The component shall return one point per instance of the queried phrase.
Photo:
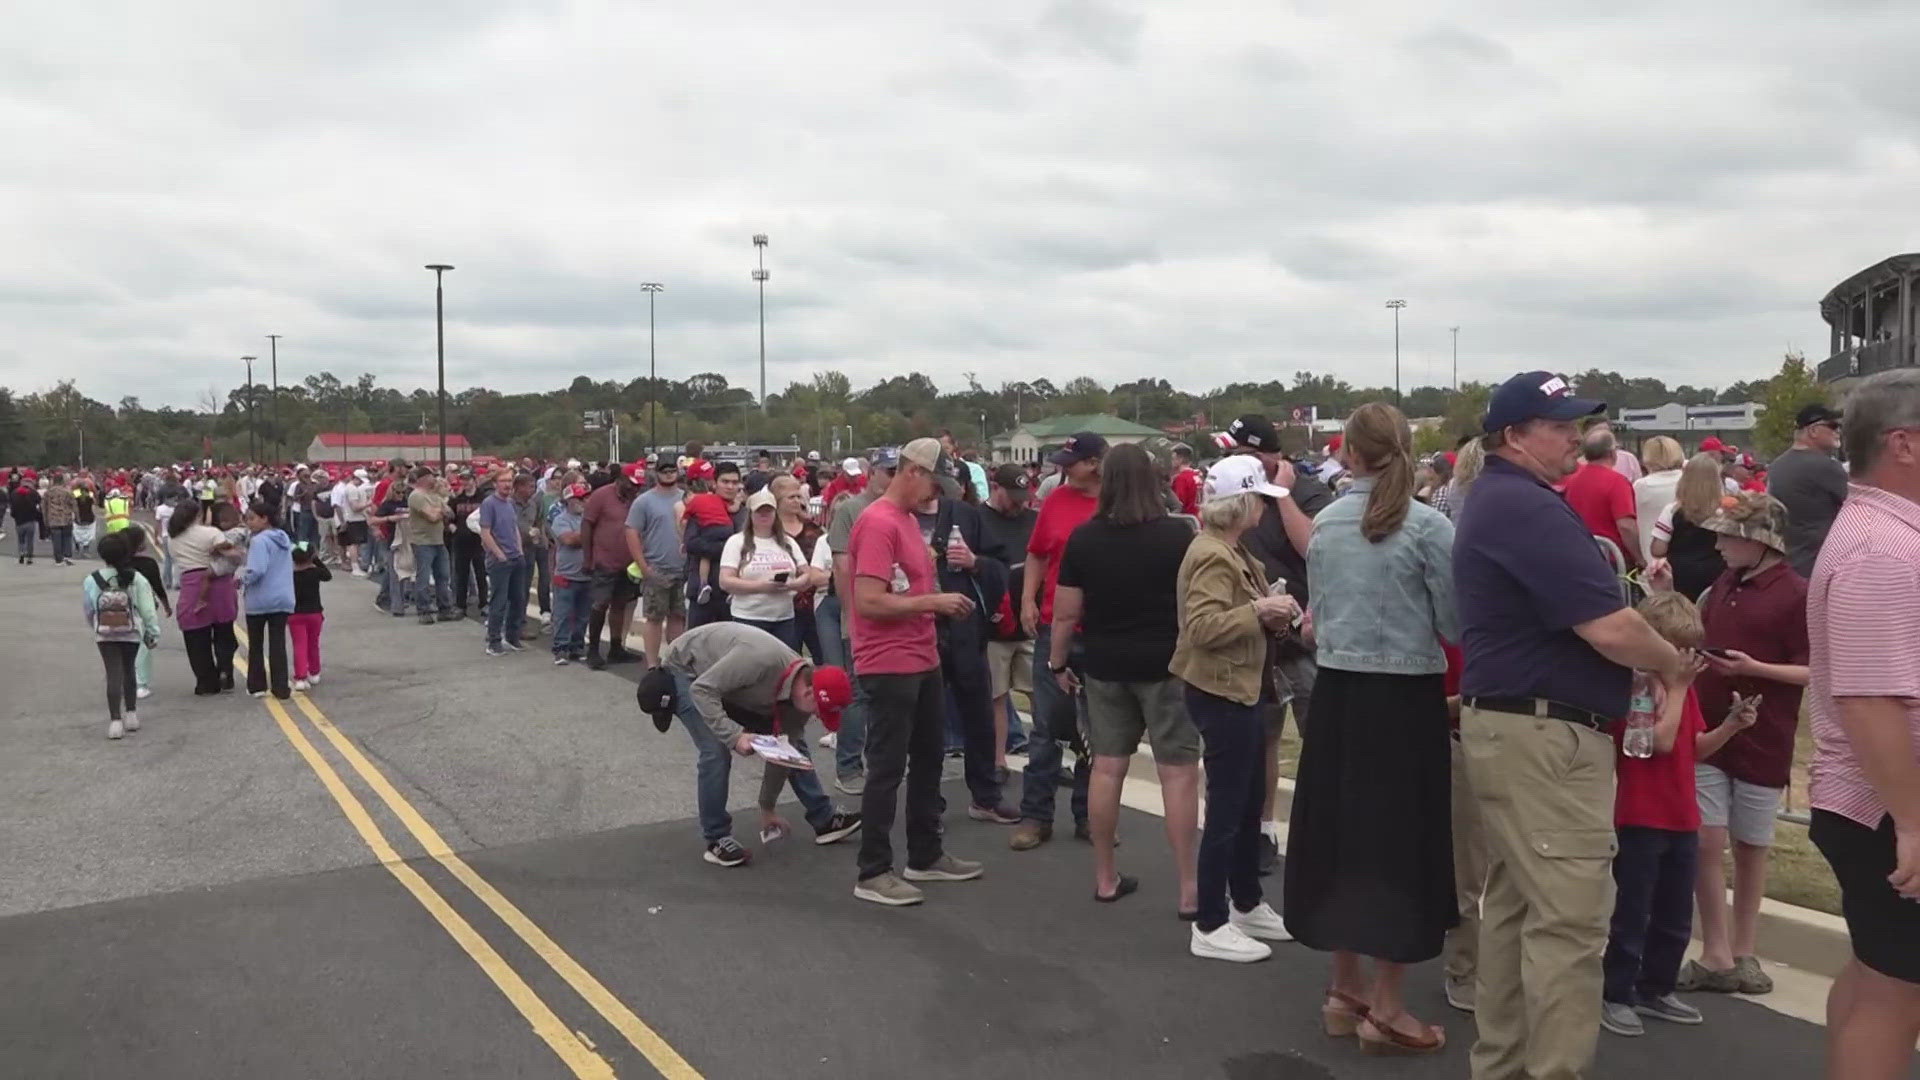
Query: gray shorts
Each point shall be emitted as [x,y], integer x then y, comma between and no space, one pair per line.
[1745,810]
[1118,713]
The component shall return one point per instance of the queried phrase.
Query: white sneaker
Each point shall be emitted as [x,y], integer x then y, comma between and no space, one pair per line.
[830,740]
[115,729]
[357,572]
[144,692]
[546,618]
[302,684]
[1228,943]
[313,680]
[133,722]
[1262,922]
[256,693]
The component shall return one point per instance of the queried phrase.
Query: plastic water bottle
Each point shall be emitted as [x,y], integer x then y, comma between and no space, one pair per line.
[1644,712]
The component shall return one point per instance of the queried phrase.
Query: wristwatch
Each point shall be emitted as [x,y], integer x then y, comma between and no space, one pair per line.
[1056,668]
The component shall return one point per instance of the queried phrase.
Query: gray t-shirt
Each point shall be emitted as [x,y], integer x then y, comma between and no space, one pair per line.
[652,516]
[844,516]
[1811,486]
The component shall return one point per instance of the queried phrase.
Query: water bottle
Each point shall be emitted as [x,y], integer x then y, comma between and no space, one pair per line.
[1643,713]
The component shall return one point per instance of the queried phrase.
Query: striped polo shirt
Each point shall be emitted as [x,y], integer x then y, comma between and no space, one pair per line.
[1863,629]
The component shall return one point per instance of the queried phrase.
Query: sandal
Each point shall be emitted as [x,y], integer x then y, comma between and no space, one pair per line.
[1342,1013]
[1388,1042]
[1126,886]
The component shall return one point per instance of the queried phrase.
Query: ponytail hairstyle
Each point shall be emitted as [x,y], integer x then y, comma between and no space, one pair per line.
[1378,445]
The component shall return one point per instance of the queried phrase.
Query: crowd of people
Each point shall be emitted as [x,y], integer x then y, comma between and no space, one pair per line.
[1542,683]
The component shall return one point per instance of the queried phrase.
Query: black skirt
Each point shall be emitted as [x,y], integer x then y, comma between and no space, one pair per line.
[1369,865]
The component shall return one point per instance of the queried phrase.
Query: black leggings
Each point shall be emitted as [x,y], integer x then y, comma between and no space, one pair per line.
[267,632]
[210,651]
[118,658]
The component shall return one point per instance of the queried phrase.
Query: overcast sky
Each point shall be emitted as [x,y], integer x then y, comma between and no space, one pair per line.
[1203,191]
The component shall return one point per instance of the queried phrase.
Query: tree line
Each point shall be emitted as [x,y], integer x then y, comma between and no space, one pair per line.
[64,425]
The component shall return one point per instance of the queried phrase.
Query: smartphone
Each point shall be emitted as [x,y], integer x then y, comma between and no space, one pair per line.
[1723,654]
[781,577]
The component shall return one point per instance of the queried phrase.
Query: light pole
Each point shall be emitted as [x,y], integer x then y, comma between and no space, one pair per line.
[653,377]
[1456,357]
[1396,305]
[253,449]
[760,276]
[279,450]
[440,353]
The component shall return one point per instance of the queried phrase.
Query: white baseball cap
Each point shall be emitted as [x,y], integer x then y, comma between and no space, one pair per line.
[1239,474]
[851,466]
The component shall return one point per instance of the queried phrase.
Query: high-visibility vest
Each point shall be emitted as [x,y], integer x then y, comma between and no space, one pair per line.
[117,510]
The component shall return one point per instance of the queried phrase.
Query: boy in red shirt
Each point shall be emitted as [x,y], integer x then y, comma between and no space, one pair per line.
[1657,822]
[1186,479]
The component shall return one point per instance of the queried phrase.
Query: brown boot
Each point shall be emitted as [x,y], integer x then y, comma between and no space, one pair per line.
[1030,835]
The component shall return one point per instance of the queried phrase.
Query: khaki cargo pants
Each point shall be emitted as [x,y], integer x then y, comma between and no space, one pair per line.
[1545,789]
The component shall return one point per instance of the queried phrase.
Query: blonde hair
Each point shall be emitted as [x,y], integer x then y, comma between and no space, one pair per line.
[1467,463]
[1229,514]
[1673,617]
[1699,490]
[1661,453]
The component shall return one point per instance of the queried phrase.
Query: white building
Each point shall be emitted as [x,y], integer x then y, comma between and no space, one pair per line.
[1674,417]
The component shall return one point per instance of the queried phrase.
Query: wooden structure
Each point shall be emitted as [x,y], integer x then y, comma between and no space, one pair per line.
[1871,316]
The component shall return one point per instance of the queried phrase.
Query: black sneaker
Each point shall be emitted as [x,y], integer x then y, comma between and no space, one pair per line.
[619,655]
[843,824]
[576,655]
[727,851]
[517,646]
[594,660]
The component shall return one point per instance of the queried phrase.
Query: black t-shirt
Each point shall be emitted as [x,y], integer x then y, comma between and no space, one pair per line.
[1696,561]
[1127,575]
[306,587]
[83,507]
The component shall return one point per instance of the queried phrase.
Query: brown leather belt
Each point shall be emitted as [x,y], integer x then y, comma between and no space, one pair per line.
[1541,707]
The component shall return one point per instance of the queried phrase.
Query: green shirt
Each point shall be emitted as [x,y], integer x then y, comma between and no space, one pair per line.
[423,531]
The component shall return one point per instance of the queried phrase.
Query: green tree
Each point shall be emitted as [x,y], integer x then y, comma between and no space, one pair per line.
[1792,387]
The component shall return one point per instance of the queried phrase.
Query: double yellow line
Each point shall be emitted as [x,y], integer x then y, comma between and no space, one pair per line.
[573,1048]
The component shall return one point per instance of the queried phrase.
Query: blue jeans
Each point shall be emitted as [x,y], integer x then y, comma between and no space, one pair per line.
[62,537]
[571,603]
[27,532]
[373,552]
[787,630]
[506,584]
[1042,774]
[1652,913]
[715,769]
[850,745]
[432,579]
[1236,765]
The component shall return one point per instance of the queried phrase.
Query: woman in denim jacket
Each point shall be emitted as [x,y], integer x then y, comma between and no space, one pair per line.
[1369,869]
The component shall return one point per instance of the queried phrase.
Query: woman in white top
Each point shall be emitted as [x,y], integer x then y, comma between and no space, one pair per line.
[761,568]
[208,603]
[1652,492]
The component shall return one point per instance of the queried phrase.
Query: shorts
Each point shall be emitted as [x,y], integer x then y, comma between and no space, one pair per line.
[1010,663]
[663,595]
[613,587]
[1745,810]
[1884,926]
[353,532]
[1118,713]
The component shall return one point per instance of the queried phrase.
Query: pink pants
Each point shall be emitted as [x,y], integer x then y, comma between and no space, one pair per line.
[304,628]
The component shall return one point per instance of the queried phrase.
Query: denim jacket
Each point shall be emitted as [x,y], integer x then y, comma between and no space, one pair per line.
[1381,607]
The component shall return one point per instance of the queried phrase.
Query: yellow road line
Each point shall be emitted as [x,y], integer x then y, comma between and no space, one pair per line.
[568,1046]
[636,1031]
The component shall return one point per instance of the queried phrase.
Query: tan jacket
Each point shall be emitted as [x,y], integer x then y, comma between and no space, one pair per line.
[1222,648]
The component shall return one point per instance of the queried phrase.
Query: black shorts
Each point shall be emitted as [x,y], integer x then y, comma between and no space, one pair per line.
[1885,926]
[353,532]
[613,587]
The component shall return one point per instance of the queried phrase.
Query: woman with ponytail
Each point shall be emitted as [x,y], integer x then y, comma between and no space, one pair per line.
[1369,871]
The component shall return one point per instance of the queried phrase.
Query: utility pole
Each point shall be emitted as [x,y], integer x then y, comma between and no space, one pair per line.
[440,353]
[760,276]
[279,442]
[1456,358]
[653,375]
[253,437]
[1396,305]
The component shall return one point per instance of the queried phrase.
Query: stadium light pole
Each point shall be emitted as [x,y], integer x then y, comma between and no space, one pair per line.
[440,352]
[1396,305]
[253,448]
[279,444]
[760,277]
[1456,357]
[653,374]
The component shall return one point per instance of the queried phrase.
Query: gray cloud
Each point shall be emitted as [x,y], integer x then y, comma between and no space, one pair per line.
[1204,192]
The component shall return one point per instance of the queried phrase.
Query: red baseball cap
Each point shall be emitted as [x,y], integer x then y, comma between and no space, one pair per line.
[579,491]
[1335,442]
[1712,445]
[636,473]
[700,470]
[832,693]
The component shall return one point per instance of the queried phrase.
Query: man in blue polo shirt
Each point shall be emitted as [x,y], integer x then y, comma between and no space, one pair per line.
[1550,646]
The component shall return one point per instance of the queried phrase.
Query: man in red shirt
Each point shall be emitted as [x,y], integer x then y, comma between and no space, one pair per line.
[851,481]
[896,656]
[603,541]
[1603,498]
[1186,479]
[1065,509]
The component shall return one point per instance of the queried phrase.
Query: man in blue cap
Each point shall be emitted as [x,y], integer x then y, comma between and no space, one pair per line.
[1550,646]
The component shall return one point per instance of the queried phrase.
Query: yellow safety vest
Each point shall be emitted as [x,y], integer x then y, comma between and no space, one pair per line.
[117,513]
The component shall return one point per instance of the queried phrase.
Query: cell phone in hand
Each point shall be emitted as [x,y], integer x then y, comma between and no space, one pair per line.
[781,577]
[1724,654]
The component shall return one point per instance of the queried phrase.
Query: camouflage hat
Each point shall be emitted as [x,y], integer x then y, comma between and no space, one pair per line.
[1751,515]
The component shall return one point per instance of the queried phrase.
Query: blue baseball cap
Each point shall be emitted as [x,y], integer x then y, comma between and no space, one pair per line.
[887,457]
[1536,395]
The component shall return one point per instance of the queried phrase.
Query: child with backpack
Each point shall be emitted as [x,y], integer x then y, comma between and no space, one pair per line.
[119,607]
[308,617]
